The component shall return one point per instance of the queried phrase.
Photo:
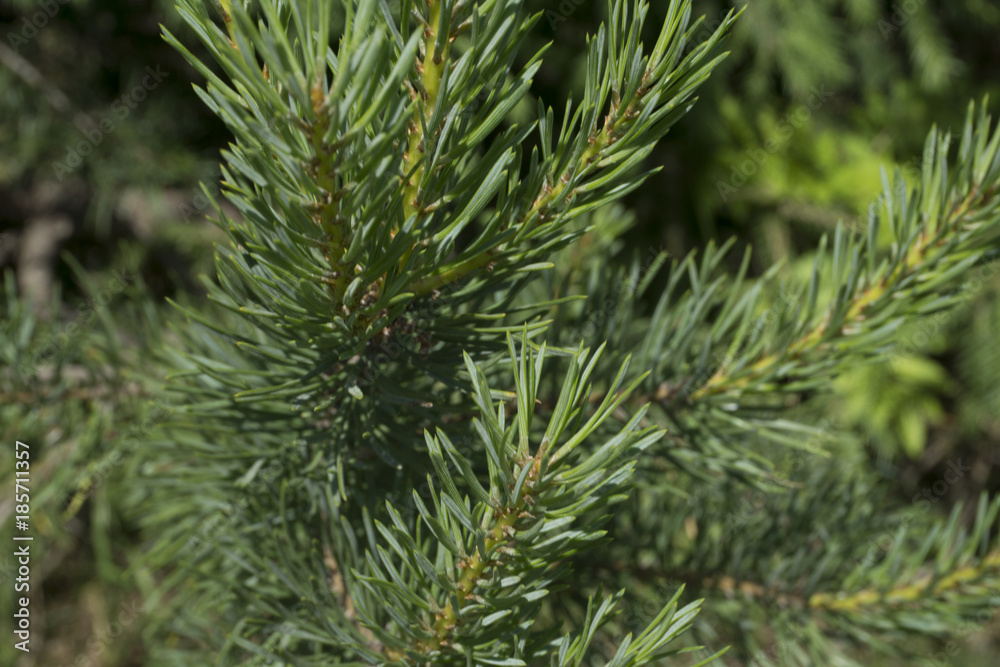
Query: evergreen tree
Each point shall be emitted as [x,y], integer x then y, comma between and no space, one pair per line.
[428,419]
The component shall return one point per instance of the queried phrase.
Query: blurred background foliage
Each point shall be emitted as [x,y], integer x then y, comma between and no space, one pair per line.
[790,136]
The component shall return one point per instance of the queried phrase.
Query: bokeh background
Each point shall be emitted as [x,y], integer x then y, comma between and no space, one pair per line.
[108,166]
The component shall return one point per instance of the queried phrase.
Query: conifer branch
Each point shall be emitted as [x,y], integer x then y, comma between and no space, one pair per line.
[940,231]
[827,554]
[496,557]
[387,250]
[430,71]
[727,362]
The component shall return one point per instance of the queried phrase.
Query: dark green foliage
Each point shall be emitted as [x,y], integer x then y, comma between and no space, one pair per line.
[441,397]
[356,271]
